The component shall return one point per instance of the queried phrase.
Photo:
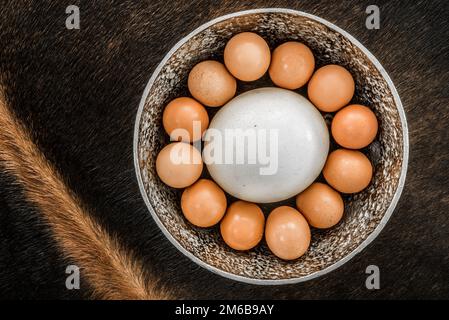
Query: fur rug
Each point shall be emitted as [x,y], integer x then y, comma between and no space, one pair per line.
[77,92]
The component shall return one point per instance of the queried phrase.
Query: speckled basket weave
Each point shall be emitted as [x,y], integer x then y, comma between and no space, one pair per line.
[365,213]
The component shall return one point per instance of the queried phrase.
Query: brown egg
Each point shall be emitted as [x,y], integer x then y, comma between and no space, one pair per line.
[211,84]
[287,233]
[292,65]
[242,226]
[354,126]
[331,88]
[247,56]
[203,203]
[348,171]
[179,164]
[321,205]
[185,119]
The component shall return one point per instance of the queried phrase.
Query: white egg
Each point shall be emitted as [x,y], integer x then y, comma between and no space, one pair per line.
[266,145]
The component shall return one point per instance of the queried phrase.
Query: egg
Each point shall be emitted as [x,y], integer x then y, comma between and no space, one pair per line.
[203,203]
[348,171]
[321,205]
[185,119]
[279,124]
[287,233]
[247,56]
[242,226]
[292,65]
[331,88]
[211,84]
[179,164]
[354,126]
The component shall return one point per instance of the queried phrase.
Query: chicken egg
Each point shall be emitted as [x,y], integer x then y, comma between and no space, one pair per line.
[185,119]
[211,84]
[292,65]
[179,165]
[321,205]
[354,126]
[242,226]
[287,233]
[247,56]
[331,88]
[348,171]
[203,203]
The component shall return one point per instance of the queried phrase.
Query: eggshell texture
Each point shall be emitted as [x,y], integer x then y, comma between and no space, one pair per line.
[287,233]
[354,126]
[348,171]
[247,56]
[242,226]
[292,65]
[179,165]
[203,203]
[211,84]
[331,88]
[296,136]
[321,205]
[180,116]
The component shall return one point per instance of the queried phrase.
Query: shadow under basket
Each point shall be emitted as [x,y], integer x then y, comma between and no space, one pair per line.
[366,213]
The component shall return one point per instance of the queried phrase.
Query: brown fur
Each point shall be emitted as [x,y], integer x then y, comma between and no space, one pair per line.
[112,272]
[77,92]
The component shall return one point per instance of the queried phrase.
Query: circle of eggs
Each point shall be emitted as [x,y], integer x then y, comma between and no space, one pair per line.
[291,141]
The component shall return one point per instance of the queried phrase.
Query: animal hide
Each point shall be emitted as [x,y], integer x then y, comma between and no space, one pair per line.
[77,92]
